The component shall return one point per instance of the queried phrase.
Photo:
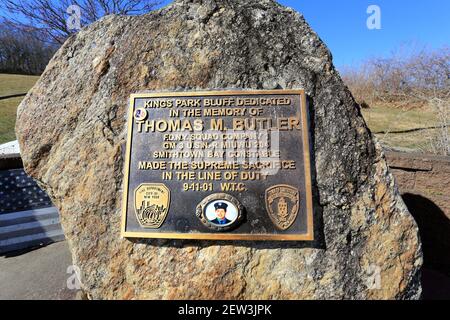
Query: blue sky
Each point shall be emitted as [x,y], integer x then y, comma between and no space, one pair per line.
[342,25]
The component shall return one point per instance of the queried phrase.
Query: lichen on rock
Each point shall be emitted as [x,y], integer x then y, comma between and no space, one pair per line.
[71,130]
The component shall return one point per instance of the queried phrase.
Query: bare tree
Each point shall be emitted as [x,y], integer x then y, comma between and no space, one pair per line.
[407,81]
[402,79]
[21,52]
[49,17]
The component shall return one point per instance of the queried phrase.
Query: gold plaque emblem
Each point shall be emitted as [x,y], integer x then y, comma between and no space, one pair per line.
[282,204]
[151,204]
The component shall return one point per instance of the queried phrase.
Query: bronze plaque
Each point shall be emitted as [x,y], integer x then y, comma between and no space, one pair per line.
[219,165]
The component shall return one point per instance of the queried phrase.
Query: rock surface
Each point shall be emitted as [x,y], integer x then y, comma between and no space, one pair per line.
[71,133]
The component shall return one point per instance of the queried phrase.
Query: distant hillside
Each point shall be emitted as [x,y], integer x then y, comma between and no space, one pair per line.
[12,84]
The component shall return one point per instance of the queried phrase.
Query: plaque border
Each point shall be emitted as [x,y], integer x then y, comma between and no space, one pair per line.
[308,236]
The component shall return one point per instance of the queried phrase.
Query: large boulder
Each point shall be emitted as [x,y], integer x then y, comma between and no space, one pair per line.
[71,129]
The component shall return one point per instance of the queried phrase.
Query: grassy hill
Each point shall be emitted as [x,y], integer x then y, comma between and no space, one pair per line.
[12,84]
[392,126]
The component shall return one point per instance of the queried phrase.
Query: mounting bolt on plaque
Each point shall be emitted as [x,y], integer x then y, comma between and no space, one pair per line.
[220,212]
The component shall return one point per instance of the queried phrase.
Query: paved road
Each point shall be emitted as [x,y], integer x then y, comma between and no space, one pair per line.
[37,274]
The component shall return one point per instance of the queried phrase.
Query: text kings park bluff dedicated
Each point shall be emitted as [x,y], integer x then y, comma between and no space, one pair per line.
[218,108]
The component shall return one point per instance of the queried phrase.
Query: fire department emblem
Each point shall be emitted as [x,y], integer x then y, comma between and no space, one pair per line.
[151,204]
[282,204]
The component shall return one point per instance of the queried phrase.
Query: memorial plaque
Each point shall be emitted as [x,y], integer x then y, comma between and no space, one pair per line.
[220,165]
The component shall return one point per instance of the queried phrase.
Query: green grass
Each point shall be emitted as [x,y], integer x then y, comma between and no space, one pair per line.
[8,109]
[12,84]
[390,119]
[382,118]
